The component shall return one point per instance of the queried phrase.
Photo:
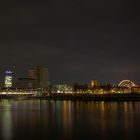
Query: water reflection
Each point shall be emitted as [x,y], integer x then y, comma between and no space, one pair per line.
[6,120]
[42,119]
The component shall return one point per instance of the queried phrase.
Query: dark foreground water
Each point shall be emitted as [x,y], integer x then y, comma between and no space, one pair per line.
[74,120]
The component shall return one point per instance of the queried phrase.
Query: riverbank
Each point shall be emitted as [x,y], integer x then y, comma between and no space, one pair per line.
[93,97]
[82,97]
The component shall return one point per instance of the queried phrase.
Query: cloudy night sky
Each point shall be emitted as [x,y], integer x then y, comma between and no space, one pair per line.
[77,40]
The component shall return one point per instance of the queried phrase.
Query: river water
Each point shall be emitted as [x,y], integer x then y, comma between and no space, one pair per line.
[68,120]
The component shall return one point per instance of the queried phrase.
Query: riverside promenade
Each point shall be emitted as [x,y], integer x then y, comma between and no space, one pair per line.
[71,96]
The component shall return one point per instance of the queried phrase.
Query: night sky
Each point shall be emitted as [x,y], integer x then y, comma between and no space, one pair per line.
[77,40]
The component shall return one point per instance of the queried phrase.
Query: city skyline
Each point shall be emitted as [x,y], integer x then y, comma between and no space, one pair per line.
[37,76]
[77,40]
[26,75]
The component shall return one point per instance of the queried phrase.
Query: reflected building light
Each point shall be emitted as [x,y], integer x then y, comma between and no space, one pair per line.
[7,123]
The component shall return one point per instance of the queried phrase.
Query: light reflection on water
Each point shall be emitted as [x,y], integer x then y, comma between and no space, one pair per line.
[6,121]
[43,119]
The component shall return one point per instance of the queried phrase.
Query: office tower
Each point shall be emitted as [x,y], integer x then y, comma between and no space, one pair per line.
[39,73]
[8,79]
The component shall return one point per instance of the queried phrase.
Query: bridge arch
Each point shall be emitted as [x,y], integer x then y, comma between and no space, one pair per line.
[127,83]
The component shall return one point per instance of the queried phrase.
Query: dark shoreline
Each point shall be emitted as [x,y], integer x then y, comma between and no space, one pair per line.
[78,97]
[91,97]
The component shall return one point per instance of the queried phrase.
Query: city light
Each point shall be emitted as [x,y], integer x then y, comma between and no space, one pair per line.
[8,81]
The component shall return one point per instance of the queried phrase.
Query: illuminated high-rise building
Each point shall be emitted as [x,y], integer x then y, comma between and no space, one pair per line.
[8,79]
[40,74]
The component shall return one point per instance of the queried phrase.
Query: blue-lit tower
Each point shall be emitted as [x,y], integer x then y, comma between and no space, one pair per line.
[8,78]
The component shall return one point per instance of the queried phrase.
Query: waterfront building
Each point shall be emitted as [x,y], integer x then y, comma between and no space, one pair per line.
[8,79]
[93,83]
[26,83]
[40,74]
[62,88]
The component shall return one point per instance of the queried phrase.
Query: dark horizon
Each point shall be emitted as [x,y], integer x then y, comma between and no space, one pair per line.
[76,40]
